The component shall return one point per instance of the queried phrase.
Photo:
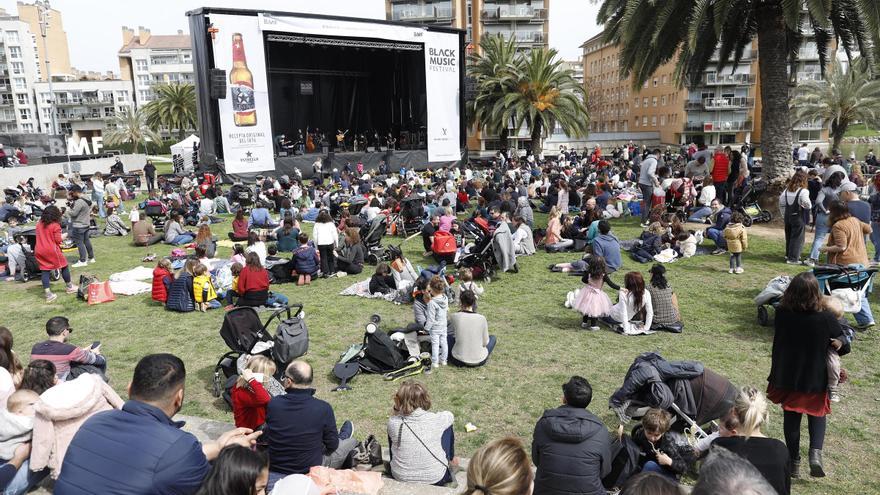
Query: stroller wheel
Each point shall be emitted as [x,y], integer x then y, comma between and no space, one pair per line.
[766,216]
[763,316]
[747,221]
[216,386]
[372,259]
[55,275]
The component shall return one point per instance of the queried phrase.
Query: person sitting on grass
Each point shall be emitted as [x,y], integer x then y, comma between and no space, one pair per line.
[169,459]
[181,297]
[663,301]
[253,285]
[239,227]
[382,281]
[306,262]
[523,239]
[239,471]
[634,312]
[163,276]
[659,452]
[143,233]
[260,217]
[500,467]
[607,246]
[350,257]
[115,226]
[422,442]
[258,246]
[249,395]
[203,289]
[70,361]
[469,341]
[287,236]
[175,233]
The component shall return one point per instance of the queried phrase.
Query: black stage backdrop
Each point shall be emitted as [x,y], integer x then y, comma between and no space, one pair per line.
[331,87]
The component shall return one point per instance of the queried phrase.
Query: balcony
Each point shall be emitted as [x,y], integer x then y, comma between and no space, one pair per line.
[808,54]
[747,55]
[726,126]
[415,14]
[737,102]
[809,126]
[713,79]
[444,13]
[693,105]
[529,37]
[809,76]
[511,13]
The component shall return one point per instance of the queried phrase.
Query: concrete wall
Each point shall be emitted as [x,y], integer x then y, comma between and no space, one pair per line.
[44,174]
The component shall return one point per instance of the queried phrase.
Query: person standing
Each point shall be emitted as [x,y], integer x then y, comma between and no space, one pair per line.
[720,171]
[98,193]
[847,247]
[647,182]
[80,215]
[794,206]
[48,250]
[150,173]
[803,155]
[326,237]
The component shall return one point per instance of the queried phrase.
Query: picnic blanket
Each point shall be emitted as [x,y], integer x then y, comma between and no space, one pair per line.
[228,243]
[362,289]
[138,273]
[130,287]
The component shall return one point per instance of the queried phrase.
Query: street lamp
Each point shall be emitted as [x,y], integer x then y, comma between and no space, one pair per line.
[45,13]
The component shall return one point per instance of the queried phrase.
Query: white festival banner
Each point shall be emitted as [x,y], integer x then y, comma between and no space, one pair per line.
[245,123]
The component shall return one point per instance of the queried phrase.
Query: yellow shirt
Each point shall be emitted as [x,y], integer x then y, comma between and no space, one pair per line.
[203,289]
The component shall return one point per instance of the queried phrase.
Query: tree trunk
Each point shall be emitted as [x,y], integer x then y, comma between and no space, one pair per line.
[838,130]
[775,94]
[502,137]
[537,132]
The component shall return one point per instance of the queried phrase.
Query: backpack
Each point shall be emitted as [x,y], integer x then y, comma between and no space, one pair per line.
[82,292]
[291,340]
[381,354]
[624,462]
[444,243]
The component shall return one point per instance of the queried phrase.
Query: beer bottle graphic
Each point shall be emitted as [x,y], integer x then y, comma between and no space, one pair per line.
[242,82]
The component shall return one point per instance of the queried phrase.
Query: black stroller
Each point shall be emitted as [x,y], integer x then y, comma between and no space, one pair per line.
[371,236]
[479,255]
[245,334]
[157,212]
[242,195]
[31,269]
[411,216]
[747,203]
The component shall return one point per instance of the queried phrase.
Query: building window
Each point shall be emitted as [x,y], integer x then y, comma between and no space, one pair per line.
[145,95]
[662,120]
[17,67]
[645,102]
[122,96]
[637,103]
[14,52]
[12,37]
[654,101]
[27,128]
[655,82]
[109,112]
[47,113]
[186,57]
[24,113]
[143,80]
[23,99]
[663,100]
[664,79]
[636,120]
[19,83]
[653,121]
[5,99]
[141,64]
[644,121]
[811,135]
[44,97]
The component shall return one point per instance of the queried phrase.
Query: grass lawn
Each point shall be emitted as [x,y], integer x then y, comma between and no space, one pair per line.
[861,130]
[540,344]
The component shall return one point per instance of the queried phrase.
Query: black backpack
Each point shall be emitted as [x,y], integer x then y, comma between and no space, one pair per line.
[291,340]
[381,355]
[624,462]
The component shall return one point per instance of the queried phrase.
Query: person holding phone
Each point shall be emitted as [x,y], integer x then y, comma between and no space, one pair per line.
[70,361]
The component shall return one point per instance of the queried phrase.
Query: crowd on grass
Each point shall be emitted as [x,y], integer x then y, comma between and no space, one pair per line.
[62,420]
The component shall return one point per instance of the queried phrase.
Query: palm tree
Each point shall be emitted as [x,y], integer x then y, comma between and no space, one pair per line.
[173,108]
[491,68]
[846,96]
[650,33]
[544,94]
[131,127]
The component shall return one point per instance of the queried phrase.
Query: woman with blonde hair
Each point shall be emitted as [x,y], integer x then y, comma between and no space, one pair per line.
[422,442]
[249,395]
[740,431]
[501,467]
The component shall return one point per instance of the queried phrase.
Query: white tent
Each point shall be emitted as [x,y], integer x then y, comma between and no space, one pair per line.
[185,150]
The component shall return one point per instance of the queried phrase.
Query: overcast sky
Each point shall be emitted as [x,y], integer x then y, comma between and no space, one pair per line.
[94,26]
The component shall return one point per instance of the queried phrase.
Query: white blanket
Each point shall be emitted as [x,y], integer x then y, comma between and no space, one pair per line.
[139,273]
[130,287]
[362,289]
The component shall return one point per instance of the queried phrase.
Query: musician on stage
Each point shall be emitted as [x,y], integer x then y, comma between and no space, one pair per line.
[340,139]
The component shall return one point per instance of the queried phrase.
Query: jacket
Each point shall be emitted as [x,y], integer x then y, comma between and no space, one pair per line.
[299,430]
[180,294]
[48,250]
[417,444]
[115,226]
[353,255]
[524,210]
[287,243]
[502,247]
[137,450]
[650,368]
[14,431]
[80,213]
[850,234]
[571,449]
[305,260]
[435,317]
[800,344]
[608,247]
[162,279]
[61,411]
[249,406]
[681,455]
[240,229]
[737,238]
[203,289]
[142,232]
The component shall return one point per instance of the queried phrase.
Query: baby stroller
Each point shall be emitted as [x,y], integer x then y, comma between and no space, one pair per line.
[371,237]
[848,284]
[157,212]
[680,197]
[411,216]
[478,255]
[747,203]
[246,335]
[695,395]
[31,269]
[242,195]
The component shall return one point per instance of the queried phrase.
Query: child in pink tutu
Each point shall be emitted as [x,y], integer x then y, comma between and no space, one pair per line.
[592,302]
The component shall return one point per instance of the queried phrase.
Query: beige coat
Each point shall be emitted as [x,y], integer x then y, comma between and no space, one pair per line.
[737,238]
[60,412]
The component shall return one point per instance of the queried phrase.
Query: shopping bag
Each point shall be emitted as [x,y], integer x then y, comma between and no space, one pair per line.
[100,292]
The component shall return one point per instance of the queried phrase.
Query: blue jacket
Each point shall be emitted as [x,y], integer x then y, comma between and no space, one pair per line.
[260,217]
[722,219]
[305,260]
[180,294]
[135,450]
[608,247]
[299,430]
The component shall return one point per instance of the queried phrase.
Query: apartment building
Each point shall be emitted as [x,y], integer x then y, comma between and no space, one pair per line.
[147,60]
[577,69]
[527,21]
[19,68]
[55,49]
[83,108]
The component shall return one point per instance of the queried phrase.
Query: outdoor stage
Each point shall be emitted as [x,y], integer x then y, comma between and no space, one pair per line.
[411,159]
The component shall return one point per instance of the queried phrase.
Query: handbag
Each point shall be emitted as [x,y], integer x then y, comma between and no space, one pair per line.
[100,292]
[850,298]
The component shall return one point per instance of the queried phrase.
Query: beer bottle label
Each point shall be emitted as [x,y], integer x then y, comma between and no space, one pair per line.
[243,99]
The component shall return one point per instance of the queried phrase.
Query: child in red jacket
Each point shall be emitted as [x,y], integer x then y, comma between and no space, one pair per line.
[162,278]
[249,395]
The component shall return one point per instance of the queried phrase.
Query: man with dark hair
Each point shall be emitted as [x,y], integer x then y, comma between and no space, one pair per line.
[428,231]
[70,361]
[607,246]
[726,473]
[301,429]
[139,449]
[571,447]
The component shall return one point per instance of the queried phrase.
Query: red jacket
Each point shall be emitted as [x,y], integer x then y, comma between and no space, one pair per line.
[240,228]
[160,290]
[249,408]
[251,280]
[48,251]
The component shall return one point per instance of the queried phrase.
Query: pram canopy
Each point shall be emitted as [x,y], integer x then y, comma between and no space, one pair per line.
[242,328]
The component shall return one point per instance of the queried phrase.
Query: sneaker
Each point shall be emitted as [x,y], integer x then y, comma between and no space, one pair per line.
[594,328]
[731,271]
[739,270]
[51,297]
[719,251]
[791,262]
[341,274]
[346,431]
[427,371]
[92,261]
[72,289]
[79,264]
[834,395]
[810,262]
[444,363]
[585,326]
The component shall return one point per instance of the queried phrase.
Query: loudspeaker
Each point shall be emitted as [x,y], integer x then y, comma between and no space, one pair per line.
[218,84]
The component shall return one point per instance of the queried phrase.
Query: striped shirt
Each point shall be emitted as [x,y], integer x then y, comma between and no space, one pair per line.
[61,354]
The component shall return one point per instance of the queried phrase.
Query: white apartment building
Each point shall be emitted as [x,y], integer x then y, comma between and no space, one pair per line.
[147,60]
[84,108]
[19,68]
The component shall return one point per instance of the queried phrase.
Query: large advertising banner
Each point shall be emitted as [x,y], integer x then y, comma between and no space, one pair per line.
[245,124]
[441,69]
